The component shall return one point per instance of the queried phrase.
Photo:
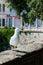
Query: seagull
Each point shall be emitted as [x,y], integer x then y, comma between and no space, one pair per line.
[15,38]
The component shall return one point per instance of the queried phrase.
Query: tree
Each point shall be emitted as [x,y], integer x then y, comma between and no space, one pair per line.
[37,7]
[34,9]
[20,6]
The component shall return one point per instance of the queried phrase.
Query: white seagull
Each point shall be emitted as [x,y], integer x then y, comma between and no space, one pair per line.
[15,38]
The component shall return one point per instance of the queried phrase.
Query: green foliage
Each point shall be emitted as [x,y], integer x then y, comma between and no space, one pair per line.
[37,5]
[19,6]
[5,34]
[32,16]
[25,18]
[34,9]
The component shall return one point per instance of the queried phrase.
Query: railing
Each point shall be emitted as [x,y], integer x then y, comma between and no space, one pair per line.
[33,29]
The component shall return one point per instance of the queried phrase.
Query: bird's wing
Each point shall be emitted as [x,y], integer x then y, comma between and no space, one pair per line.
[13,39]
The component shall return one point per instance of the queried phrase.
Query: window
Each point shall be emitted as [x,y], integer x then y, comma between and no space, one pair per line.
[3,22]
[3,7]
[0,22]
[0,7]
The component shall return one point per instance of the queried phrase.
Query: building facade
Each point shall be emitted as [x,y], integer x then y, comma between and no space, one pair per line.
[8,16]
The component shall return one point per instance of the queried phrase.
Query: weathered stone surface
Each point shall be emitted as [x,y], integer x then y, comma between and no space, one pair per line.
[22,50]
[9,55]
[33,58]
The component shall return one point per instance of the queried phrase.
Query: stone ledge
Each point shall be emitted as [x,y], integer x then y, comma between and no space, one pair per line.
[9,55]
[21,58]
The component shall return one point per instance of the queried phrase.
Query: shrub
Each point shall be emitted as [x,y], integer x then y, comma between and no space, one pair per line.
[5,35]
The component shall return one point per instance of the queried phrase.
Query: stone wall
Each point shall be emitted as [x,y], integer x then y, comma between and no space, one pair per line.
[34,58]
